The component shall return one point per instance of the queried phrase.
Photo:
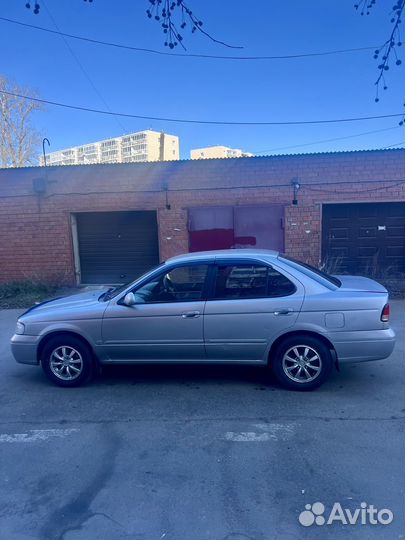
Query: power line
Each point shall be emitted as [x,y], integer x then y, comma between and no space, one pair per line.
[154,51]
[380,188]
[81,66]
[325,140]
[209,122]
[396,144]
[310,187]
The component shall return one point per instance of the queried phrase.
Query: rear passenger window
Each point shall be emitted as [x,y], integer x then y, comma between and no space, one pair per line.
[278,284]
[250,281]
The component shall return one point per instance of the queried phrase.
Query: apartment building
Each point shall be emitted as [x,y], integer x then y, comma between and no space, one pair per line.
[211,152]
[145,145]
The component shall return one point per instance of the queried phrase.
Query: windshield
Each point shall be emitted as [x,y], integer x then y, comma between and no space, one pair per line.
[115,291]
[310,269]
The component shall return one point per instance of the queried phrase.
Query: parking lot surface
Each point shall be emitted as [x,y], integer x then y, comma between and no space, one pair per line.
[183,452]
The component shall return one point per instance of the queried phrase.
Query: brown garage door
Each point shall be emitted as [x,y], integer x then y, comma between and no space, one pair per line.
[364,238]
[116,247]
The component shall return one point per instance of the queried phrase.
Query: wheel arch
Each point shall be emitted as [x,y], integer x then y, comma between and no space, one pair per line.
[276,343]
[56,333]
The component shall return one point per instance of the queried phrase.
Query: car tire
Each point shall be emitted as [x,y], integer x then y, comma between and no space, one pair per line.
[67,361]
[301,363]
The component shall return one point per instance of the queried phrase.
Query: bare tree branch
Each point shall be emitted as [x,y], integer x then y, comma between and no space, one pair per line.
[388,51]
[165,11]
[19,141]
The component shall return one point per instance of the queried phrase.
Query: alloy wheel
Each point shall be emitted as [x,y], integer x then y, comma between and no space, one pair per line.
[66,363]
[302,364]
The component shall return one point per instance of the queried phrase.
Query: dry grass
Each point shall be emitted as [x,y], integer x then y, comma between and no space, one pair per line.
[23,294]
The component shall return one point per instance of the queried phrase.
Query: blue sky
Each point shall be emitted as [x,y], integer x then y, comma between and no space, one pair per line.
[299,89]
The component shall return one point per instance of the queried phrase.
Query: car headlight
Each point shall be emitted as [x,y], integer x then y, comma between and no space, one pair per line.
[20,328]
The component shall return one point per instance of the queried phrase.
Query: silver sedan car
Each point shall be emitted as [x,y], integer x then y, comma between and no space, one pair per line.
[231,307]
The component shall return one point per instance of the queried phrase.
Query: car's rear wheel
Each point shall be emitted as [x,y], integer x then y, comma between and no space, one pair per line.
[301,362]
[67,361]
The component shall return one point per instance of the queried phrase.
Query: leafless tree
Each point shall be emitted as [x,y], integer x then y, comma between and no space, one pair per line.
[19,141]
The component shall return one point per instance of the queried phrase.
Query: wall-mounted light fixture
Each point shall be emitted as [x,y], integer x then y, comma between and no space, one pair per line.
[296,186]
[44,140]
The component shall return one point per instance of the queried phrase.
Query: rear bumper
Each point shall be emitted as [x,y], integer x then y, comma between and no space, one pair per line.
[24,349]
[363,346]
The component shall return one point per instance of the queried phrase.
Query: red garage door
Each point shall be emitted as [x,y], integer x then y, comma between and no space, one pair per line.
[224,227]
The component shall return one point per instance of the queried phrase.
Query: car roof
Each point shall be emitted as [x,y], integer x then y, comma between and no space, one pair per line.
[226,254]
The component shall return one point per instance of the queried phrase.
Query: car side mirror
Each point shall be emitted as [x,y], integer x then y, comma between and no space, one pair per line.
[129,299]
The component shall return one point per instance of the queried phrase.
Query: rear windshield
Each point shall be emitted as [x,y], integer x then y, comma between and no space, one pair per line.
[308,269]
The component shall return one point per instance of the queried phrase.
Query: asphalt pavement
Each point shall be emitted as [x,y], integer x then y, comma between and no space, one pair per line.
[199,452]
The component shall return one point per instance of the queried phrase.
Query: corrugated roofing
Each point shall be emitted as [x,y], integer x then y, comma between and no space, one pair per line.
[240,158]
[190,174]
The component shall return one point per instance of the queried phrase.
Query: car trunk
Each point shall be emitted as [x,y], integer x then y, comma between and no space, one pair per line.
[360,283]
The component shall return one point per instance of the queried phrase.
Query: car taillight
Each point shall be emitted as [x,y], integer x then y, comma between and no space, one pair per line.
[385,314]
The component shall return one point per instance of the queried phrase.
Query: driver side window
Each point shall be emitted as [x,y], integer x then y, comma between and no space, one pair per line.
[181,284]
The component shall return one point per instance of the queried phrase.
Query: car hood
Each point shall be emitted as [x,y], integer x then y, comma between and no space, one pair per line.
[360,283]
[67,303]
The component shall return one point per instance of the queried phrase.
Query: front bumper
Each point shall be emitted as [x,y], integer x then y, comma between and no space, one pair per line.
[24,349]
[363,346]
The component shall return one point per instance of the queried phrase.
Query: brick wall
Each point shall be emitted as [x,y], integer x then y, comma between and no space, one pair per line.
[35,228]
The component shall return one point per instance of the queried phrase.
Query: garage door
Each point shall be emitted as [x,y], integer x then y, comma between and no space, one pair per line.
[364,238]
[116,247]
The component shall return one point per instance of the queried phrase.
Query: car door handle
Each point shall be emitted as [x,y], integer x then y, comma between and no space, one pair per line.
[190,314]
[283,311]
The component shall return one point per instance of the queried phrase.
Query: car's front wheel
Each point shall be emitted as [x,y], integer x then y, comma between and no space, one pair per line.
[67,361]
[301,362]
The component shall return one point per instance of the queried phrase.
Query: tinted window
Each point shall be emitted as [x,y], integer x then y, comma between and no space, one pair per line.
[182,284]
[117,290]
[278,284]
[250,281]
[307,268]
